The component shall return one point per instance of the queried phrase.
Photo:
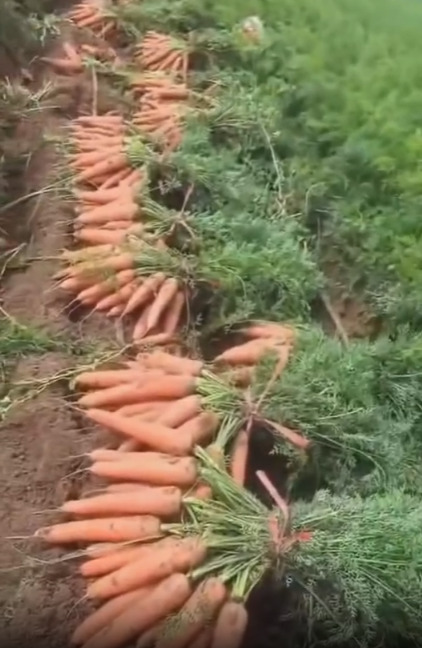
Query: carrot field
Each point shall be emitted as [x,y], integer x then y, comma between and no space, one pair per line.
[210,323]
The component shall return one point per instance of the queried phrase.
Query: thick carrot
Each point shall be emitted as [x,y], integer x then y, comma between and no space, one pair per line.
[171,364]
[96,235]
[173,314]
[183,555]
[161,388]
[239,458]
[180,411]
[200,609]
[249,353]
[107,378]
[163,600]
[114,560]
[231,625]
[201,428]
[105,615]
[116,529]
[150,468]
[161,501]
[155,436]
[164,296]
[144,292]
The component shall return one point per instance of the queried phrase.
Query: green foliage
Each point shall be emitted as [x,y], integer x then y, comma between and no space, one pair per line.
[25,26]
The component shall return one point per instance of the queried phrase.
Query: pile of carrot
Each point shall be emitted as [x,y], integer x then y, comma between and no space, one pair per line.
[163,53]
[91,14]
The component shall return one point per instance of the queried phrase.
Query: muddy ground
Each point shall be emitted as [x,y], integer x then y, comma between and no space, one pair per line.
[38,596]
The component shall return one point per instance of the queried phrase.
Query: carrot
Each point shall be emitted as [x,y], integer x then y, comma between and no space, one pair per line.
[231,625]
[173,313]
[239,458]
[117,298]
[161,501]
[149,467]
[183,554]
[199,610]
[164,599]
[101,378]
[155,436]
[83,160]
[154,340]
[141,324]
[171,364]
[249,353]
[115,529]
[96,235]
[141,408]
[120,209]
[114,560]
[116,178]
[291,436]
[99,196]
[144,292]
[105,615]
[201,428]
[182,410]
[109,166]
[281,332]
[160,388]
[164,296]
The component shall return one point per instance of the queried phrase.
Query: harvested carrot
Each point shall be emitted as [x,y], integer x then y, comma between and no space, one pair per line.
[171,364]
[154,340]
[173,314]
[281,332]
[161,501]
[117,298]
[155,436]
[291,436]
[203,640]
[108,166]
[249,353]
[105,615]
[116,529]
[239,458]
[118,210]
[231,625]
[144,292]
[150,468]
[164,296]
[101,379]
[201,428]
[141,408]
[165,598]
[113,560]
[200,609]
[161,388]
[184,554]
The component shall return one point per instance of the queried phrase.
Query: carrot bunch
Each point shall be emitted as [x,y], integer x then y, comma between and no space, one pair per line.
[163,53]
[91,14]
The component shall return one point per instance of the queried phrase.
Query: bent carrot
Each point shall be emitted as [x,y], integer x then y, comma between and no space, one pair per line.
[199,610]
[155,436]
[160,501]
[116,529]
[105,615]
[164,599]
[231,625]
[183,555]
[149,467]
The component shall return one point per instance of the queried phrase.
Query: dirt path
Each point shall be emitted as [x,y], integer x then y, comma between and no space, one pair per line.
[38,437]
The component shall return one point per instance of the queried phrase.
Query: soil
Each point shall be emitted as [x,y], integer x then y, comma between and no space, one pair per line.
[39,593]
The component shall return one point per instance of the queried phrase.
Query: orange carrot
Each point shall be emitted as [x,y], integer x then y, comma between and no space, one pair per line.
[173,314]
[183,555]
[239,458]
[171,364]
[155,436]
[123,487]
[114,560]
[100,379]
[249,353]
[108,166]
[164,296]
[201,428]
[200,610]
[97,620]
[291,436]
[117,298]
[124,209]
[149,467]
[162,501]
[282,332]
[182,410]
[117,529]
[164,599]
[154,340]
[96,235]
[144,292]
[231,625]
[142,408]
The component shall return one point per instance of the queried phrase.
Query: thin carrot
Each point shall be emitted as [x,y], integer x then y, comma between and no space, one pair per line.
[231,625]
[239,457]
[116,529]
[144,292]
[120,209]
[164,296]
[141,324]
[161,501]
[171,364]
[114,560]
[293,437]
[249,353]
[117,298]
[173,314]
[183,555]
[97,620]
[155,436]
[108,166]
[164,599]
[100,379]
[200,609]
[149,467]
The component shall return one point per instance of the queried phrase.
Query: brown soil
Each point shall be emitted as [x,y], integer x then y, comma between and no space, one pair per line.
[40,437]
